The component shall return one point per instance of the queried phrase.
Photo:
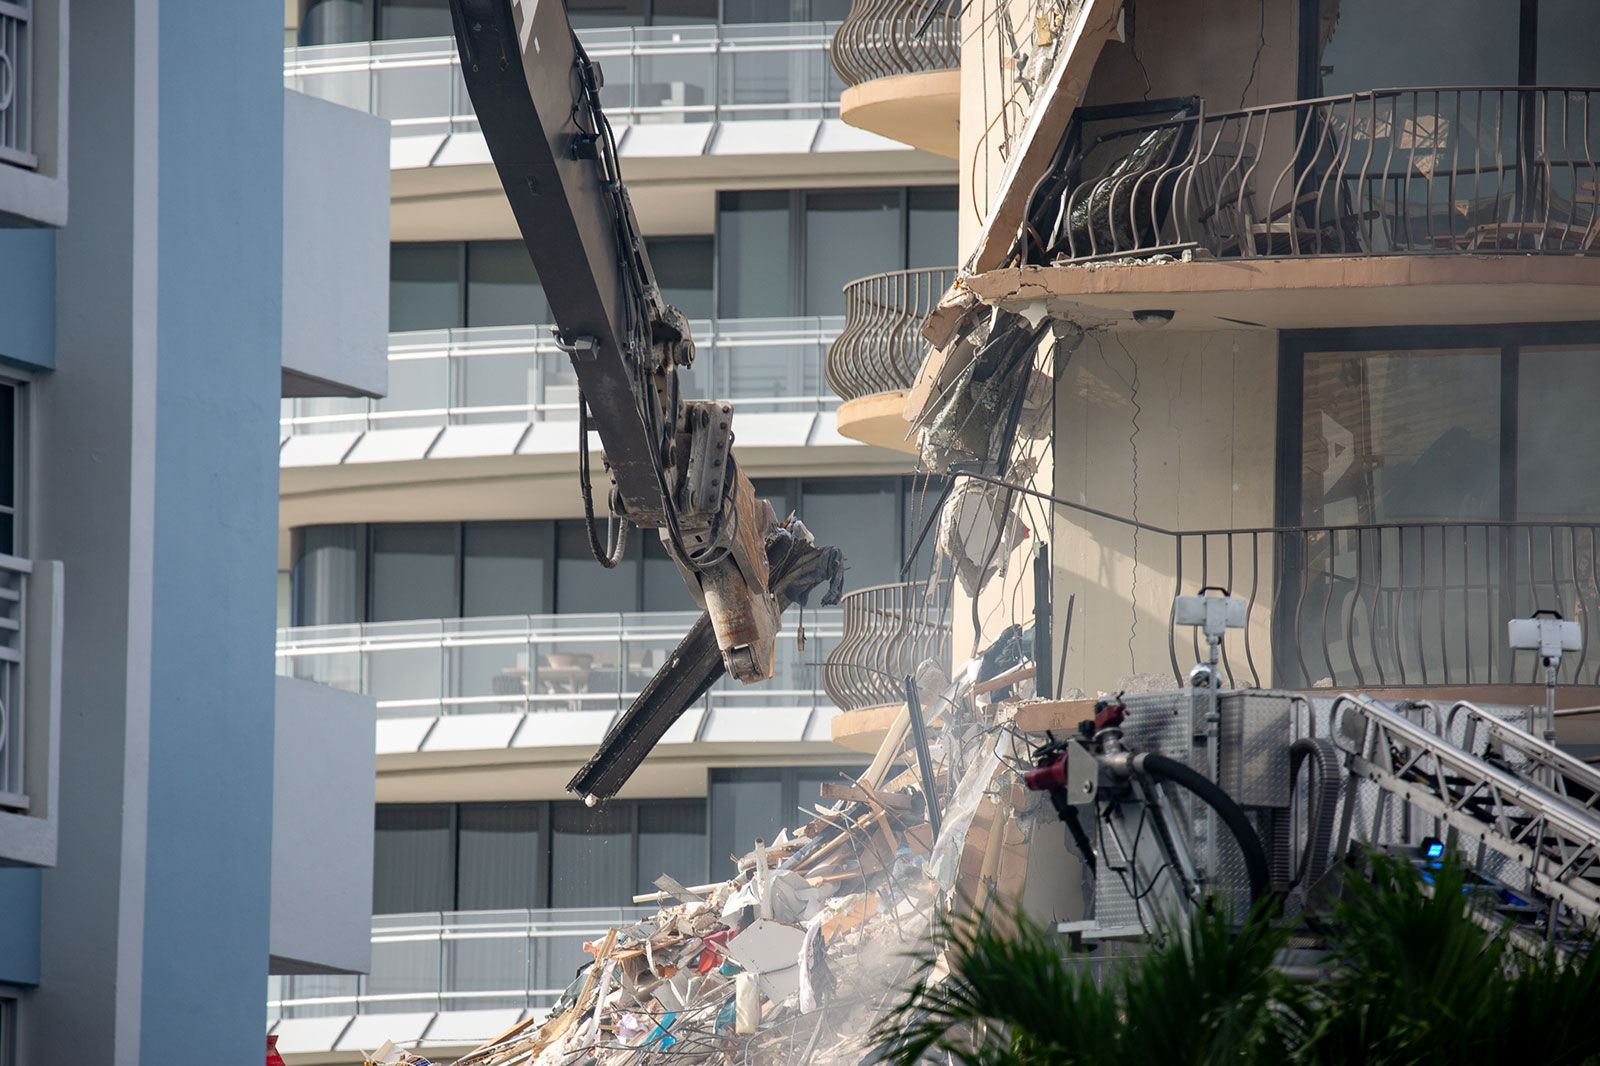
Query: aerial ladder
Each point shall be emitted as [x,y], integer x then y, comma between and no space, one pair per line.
[670,460]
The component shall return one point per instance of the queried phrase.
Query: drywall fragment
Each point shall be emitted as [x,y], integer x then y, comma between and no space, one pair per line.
[770,949]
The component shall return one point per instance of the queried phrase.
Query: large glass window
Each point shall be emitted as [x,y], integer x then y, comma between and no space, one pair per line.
[591,853]
[583,586]
[931,239]
[753,253]
[849,235]
[500,856]
[413,858]
[509,856]
[672,841]
[1558,436]
[684,271]
[327,580]
[398,19]
[424,286]
[1472,42]
[750,802]
[503,568]
[1407,436]
[853,514]
[413,571]
[502,287]
[1443,490]
[388,572]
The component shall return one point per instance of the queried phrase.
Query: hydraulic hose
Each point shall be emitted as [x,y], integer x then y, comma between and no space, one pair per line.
[1232,815]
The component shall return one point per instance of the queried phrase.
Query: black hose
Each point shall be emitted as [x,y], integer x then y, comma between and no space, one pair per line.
[1233,816]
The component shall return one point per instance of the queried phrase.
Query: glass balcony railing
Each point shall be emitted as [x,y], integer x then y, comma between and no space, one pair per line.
[517,374]
[653,74]
[534,663]
[460,960]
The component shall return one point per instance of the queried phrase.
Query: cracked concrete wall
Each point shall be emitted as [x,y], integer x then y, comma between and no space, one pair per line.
[1178,430]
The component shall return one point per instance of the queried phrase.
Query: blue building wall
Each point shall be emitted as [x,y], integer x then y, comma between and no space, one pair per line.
[19,925]
[218,359]
[28,280]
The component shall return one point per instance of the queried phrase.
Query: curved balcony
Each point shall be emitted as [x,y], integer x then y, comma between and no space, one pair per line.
[1437,171]
[653,75]
[533,664]
[875,359]
[888,631]
[901,60]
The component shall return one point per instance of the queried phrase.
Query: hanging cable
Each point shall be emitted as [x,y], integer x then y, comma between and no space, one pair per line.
[608,559]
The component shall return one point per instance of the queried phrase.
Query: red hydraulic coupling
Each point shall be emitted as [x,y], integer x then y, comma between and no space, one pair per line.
[1049,777]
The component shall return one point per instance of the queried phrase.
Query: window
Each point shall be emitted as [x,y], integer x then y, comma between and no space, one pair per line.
[792,253]
[424,286]
[849,235]
[502,288]
[413,858]
[1477,42]
[510,856]
[413,572]
[750,802]
[684,271]
[1446,480]
[390,572]
[10,441]
[500,855]
[503,568]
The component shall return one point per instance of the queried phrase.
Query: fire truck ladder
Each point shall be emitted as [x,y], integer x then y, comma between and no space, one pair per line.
[1506,791]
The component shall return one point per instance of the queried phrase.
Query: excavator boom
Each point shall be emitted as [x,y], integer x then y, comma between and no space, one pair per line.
[670,460]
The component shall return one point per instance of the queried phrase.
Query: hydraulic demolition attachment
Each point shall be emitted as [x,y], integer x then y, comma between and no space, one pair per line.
[670,460]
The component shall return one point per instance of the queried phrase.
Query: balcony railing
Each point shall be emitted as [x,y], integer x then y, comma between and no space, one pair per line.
[881,345]
[16,85]
[1391,172]
[888,631]
[517,374]
[14,575]
[1363,606]
[455,961]
[533,663]
[882,38]
[653,74]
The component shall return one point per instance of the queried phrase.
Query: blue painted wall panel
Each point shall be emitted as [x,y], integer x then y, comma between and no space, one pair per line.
[218,358]
[28,310]
[19,925]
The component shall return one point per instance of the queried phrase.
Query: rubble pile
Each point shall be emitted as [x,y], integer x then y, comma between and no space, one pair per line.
[795,958]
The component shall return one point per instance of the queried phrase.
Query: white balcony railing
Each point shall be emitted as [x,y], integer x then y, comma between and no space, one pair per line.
[517,374]
[464,960]
[533,663]
[16,84]
[14,575]
[653,74]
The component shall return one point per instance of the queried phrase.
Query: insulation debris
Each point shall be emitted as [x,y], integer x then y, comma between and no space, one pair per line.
[791,962]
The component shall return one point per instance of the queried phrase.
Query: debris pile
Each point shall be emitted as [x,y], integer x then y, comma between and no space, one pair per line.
[795,958]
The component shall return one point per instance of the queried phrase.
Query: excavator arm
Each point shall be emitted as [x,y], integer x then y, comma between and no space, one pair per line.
[670,460]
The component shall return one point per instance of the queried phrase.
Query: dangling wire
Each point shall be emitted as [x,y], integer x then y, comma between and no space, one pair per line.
[607,559]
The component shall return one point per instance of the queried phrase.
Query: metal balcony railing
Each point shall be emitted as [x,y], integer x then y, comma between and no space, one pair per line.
[517,374]
[14,574]
[881,345]
[1365,605]
[16,84]
[882,38]
[653,74]
[888,631]
[1396,171]
[463,960]
[533,663]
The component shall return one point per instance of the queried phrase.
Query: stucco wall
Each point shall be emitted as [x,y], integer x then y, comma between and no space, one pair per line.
[335,249]
[1176,430]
